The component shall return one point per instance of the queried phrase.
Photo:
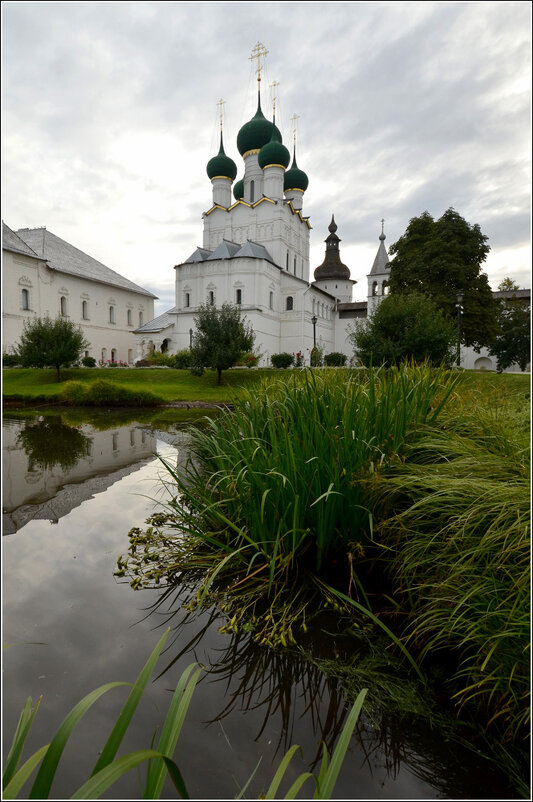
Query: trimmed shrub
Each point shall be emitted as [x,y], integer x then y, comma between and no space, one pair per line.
[283,360]
[88,362]
[335,360]
[182,359]
[105,393]
[10,360]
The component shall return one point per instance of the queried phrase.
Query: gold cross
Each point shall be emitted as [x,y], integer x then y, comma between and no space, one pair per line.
[294,118]
[258,52]
[273,87]
[382,224]
[221,103]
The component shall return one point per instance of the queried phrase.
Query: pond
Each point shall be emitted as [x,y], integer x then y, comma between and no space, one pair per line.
[73,488]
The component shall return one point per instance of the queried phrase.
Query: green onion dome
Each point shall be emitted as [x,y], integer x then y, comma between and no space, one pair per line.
[274,152]
[238,189]
[221,166]
[295,178]
[255,133]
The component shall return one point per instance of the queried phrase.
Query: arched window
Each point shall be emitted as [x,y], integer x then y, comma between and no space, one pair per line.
[111,314]
[130,317]
[63,305]
[289,306]
[84,310]
[271,300]
[211,298]
[25,299]
[252,191]
[113,355]
[375,288]
[238,297]
[140,318]
[104,354]
[294,266]
[385,288]
[130,356]
[187,299]
[287,261]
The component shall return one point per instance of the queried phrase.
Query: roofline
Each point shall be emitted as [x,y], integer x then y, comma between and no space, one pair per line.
[140,291]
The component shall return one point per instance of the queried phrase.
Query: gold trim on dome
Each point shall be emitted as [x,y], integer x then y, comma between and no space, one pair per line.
[251,152]
[294,189]
[273,165]
[225,177]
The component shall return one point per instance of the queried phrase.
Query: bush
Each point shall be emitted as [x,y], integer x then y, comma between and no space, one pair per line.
[405,328]
[248,360]
[102,393]
[182,359]
[283,360]
[315,359]
[88,362]
[335,360]
[10,360]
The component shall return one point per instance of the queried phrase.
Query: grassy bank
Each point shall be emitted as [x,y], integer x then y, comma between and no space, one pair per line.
[163,385]
[401,499]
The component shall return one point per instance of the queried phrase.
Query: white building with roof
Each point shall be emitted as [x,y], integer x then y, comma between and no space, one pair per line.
[42,275]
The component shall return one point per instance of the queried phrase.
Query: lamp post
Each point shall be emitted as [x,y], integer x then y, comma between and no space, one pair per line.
[190,339]
[314,322]
[459,308]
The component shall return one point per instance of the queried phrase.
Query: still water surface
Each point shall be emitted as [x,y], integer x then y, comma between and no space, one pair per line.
[71,493]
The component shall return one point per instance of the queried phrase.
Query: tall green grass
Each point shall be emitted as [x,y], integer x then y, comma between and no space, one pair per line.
[284,476]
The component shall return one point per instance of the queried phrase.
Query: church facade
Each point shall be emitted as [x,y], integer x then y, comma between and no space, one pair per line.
[255,254]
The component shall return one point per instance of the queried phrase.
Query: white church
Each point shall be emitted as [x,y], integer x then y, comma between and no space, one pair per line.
[255,253]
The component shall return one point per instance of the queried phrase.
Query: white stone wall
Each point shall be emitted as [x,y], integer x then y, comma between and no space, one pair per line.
[101,303]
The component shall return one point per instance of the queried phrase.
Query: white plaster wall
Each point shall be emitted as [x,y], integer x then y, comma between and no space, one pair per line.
[46,287]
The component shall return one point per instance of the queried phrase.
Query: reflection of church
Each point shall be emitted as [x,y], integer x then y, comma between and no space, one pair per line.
[255,253]
[37,487]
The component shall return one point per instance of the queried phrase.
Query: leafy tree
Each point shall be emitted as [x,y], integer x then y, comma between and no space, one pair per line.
[221,336]
[513,341]
[508,285]
[47,343]
[405,327]
[440,258]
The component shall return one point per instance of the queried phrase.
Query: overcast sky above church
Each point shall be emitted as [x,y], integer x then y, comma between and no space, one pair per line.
[110,116]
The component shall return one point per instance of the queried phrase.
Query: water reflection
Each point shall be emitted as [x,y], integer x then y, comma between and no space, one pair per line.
[398,729]
[50,468]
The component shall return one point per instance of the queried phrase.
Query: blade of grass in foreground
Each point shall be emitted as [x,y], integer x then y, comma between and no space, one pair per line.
[12,789]
[21,733]
[121,725]
[45,776]
[171,731]
[98,783]
[327,782]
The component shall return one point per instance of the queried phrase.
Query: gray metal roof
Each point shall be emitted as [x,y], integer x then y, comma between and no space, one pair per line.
[381,262]
[12,242]
[158,323]
[230,250]
[65,258]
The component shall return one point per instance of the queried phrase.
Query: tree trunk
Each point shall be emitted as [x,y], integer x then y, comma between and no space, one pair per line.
[58,376]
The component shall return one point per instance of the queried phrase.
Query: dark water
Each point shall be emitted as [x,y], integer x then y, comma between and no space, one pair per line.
[71,492]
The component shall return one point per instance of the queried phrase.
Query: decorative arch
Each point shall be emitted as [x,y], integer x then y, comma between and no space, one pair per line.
[289,303]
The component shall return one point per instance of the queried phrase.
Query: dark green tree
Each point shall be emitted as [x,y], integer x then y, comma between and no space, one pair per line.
[440,258]
[512,344]
[221,336]
[47,343]
[405,327]
[50,442]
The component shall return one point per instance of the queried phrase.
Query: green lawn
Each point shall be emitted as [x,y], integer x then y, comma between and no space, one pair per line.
[508,390]
[34,384]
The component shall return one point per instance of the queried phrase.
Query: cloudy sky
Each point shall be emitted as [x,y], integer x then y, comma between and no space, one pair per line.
[110,116]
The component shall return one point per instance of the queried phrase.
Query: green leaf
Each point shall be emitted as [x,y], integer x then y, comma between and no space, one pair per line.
[280,772]
[99,782]
[326,786]
[43,781]
[121,725]
[12,789]
[21,733]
